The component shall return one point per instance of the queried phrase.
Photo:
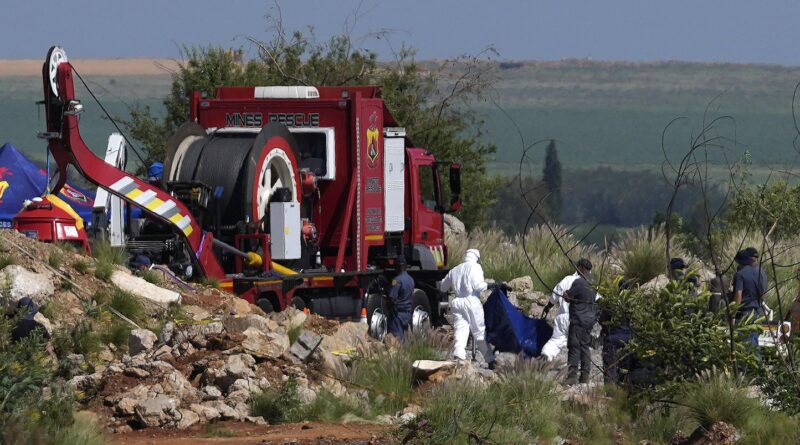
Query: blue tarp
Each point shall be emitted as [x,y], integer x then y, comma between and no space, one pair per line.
[21,179]
[509,330]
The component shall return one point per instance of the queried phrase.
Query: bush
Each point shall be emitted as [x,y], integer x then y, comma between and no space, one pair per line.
[104,252]
[127,305]
[84,431]
[82,339]
[641,253]
[152,276]
[388,377]
[294,333]
[81,266]
[6,260]
[426,344]
[719,397]
[279,406]
[522,407]
[103,271]
[327,407]
[56,258]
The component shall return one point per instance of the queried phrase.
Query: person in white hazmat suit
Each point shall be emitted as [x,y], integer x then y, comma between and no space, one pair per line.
[467,282]
[559,339]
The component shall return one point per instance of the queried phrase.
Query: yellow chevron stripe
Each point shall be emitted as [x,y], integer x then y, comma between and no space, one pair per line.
[188,230]
[134,193]
[175,218]
[153,204]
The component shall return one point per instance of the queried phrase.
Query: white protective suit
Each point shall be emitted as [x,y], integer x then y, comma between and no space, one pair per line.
[467,282]
[559,339]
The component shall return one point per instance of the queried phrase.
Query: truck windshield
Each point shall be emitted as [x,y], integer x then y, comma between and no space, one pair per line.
[429,187]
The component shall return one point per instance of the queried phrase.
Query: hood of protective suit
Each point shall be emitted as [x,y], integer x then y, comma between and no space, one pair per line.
[472,256]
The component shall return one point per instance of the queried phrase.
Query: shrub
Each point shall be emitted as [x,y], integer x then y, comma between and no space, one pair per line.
[84,431]
[388,377]
[294,333]
[56,258]
[522,407]
[279,406]
[425,344]
[152,276]
[82,339]
[104,252]
[641,254]
[103,271]
[117,332]
[6,260]
[127,304]
[719,397]
[81,266]
[328,407]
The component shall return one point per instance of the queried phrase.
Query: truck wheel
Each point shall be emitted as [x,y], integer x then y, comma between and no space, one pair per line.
[265,305]
[376,316]
[298,303]
[421,314]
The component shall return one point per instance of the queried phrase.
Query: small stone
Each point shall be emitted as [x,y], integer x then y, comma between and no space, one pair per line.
[127,406]
[238,324]
[211,393]
[139,373]
[141,340]
[521,284]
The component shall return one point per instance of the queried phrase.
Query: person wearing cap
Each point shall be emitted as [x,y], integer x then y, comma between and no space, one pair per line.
[582,300]
[677,271]
[399,314]
[467,282]
[558,340]
[749,287]
[154,173]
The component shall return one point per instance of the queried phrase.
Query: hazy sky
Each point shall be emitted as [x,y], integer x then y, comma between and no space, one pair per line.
[698,30]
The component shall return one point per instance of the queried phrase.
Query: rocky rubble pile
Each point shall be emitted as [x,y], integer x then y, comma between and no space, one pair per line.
[208,368]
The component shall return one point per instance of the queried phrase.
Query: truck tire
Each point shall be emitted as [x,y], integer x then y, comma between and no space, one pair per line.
[265,305]
[298,303]
[421,315]
[376,304]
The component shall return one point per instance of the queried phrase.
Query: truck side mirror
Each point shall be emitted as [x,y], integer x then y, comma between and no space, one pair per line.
[455,187]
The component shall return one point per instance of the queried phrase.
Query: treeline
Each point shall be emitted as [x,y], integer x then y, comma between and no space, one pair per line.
[603,195]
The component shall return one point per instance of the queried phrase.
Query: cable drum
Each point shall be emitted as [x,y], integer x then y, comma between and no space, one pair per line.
[248,166]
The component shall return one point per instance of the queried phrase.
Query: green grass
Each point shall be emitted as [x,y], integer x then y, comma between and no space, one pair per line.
[104,252]
[212,430]
[81,266]
[641,254]
[153,277]
[56,258]
[294,333]
[127,304]
[6,260]
[210,282]
[84,431]
[104,270]
[278,406]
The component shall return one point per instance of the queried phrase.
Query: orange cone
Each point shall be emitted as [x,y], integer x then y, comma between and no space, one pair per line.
[306,311]
[363,315]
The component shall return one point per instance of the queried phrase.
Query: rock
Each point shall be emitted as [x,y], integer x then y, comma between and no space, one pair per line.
[234,324]
[407,417]
[162,352]
[205,412]
[656,284]
[348,336]
[238,396]
[425,368]
[157,298]
[240,306]
[16,283]
[106,355]
[256,420]
[141,340]
[235,367]
[211,392]
[123,429]
[305,345]
[196,333]
[156,411]
[225,411]
[175,383]
[719,433]
[288,318]
[453,225]
[45,322]
[85,382]
[521,284]
[186,418]
[269,345]
[127,406]
[196,313]
[139,373]
[167,332]
[512,298]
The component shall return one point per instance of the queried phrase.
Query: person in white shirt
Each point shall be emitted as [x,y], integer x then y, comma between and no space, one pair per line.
[467,282]
[559,339]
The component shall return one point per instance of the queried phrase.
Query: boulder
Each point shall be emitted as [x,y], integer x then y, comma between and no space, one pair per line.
[127,406]
[196,313]
[453,225]
[205,412]
[211,392]
[156,411]
[187,418]
[269,345]
[521,284]
[289,318]
[305,345]
[196,334]
[155,298]
[425,368]
[138,373]
[347,337]
[16,283]
[656,284]
[141,340]
[235,367]
[240,306]
[45,322]
[238,324]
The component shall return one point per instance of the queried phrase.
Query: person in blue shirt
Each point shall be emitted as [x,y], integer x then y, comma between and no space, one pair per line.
[399,314]
[749,287]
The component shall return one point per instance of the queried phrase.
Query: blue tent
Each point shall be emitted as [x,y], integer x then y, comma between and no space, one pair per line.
[509,330]
[21,179]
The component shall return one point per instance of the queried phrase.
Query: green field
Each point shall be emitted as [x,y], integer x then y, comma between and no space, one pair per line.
[601,113]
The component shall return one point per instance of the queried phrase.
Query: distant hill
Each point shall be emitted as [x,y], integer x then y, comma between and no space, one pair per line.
[601,113]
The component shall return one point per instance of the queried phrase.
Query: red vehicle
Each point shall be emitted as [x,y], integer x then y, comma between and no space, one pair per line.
[297,196]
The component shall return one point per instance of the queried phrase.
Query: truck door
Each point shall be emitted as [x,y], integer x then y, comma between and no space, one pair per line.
[427,221]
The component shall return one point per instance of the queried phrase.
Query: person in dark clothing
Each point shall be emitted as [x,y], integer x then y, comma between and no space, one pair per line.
[720,288]
[677,271]
[749,287]
[399,314]
[27,325]
[582,316]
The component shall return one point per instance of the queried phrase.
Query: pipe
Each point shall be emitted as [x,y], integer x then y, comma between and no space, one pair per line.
[253,259]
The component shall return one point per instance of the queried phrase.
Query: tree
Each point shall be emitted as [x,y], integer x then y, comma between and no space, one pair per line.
[552,177]
[430,102]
